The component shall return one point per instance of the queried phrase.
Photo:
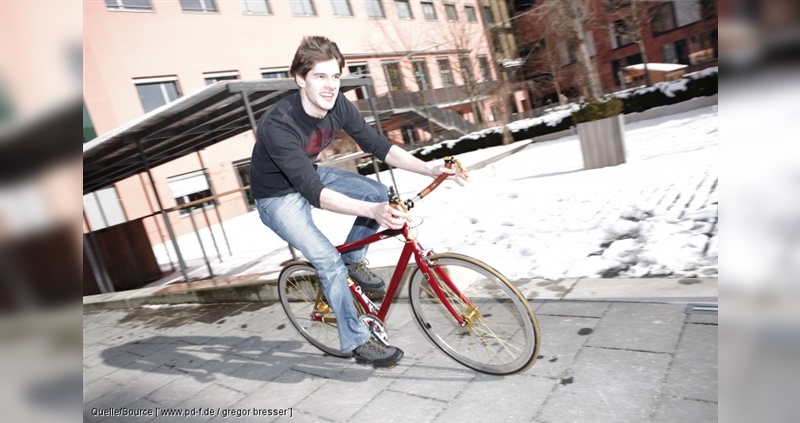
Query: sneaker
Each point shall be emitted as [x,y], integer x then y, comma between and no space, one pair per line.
[367,280]
[377,354]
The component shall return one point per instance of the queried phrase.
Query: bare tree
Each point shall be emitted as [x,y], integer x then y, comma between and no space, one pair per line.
[566,22]
[633,17]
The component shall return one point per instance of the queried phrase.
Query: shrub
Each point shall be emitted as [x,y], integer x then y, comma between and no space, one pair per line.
[595,110]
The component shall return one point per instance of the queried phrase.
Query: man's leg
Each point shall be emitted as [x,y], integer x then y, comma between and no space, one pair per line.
[290,217]
[361,188]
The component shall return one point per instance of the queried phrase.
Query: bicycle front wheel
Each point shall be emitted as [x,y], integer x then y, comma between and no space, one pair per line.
[500,334]
[301,295]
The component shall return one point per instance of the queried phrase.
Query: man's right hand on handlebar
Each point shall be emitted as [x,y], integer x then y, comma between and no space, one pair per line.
[388,216]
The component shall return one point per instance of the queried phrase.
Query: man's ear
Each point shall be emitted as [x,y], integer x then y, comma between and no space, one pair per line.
[301,82]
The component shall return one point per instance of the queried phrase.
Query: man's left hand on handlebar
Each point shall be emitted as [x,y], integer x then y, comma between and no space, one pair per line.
[456,173]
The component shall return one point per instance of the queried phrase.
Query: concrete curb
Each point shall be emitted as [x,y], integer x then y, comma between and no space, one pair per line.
[673,290]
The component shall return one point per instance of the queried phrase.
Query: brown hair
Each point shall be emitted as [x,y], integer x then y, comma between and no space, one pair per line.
[312,50]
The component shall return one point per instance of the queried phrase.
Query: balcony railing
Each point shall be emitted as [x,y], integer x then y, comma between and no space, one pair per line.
[399,101]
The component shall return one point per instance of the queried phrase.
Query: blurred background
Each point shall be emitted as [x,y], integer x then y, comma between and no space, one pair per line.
[40,210]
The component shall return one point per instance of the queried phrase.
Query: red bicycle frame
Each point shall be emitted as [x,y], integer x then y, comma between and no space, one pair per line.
[411,247]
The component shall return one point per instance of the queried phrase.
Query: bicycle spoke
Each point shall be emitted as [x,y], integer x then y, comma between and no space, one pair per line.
[500,334]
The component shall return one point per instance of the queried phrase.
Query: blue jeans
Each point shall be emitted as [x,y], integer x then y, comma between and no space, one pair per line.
[290,217]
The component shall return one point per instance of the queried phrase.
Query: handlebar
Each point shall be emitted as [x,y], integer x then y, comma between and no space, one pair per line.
[449,161]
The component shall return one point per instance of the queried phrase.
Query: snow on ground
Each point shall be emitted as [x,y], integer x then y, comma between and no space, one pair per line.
[537,214]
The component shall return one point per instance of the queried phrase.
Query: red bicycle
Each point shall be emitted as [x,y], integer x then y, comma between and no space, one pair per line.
[466,308]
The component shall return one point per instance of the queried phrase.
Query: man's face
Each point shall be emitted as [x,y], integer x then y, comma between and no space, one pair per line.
[318,90]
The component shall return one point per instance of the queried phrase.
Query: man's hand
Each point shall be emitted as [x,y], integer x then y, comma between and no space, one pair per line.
[456,173]
[388,216]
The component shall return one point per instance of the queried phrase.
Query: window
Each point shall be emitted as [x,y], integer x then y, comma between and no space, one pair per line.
[620,34]
[670,55]
[128,5]
[522,5]
[220,76]
[470,12]
[191,187]
[566,54]
[466,69]
[156,92]
[302,8]
[488,14]
[687,12]
[256,7]
[452,13]
[359,69]
[663,19]
[617,67]
[243,174]
[613,5]
[341,8]
[375,9]
[403,9]
[410,135]
[445,72]
[428,11]
[274,73]
[494,113]
[421,74]
[103,208]
[393,76]
[198,6]
[486,72]
[88,127]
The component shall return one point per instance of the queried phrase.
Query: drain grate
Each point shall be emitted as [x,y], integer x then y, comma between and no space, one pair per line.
[702,309]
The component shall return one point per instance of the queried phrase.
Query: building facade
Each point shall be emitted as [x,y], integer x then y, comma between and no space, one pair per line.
[617,33]
[436,73]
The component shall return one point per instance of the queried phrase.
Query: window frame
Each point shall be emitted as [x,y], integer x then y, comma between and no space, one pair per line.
[424,5]
[161,81]
[245,11]
[123,8]
[214,77]
[370,10]
[446,74]
[206,205]
[275,71]
[428,84]
[303,4]
[451,7]
[204,7]
[346,3]
[400,85]
[471,17]
[407,3]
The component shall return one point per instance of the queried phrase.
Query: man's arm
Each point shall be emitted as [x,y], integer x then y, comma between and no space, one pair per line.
[339,203]
[402,159]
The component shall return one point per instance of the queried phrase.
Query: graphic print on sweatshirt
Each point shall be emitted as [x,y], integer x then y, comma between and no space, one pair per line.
[320,139]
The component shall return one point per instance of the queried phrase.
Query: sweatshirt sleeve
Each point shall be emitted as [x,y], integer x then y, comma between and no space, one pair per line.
[367,138]
[285,150]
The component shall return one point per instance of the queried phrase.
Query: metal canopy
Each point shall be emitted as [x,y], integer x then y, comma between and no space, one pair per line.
[188,124]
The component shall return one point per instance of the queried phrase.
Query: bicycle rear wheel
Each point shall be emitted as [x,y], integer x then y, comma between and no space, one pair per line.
[501,334]
[301,296]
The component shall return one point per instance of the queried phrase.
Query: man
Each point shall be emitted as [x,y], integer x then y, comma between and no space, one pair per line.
[286,182]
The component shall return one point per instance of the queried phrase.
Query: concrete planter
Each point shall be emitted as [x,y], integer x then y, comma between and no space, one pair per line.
[603,142]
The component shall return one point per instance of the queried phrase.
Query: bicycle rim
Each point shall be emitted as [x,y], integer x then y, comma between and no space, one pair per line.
[301,296]
[501,335]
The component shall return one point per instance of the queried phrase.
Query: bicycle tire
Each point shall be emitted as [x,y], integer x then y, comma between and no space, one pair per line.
[502,336]
[298,290]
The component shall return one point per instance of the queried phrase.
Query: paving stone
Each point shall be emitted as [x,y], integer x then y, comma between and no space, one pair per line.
[640,327]
[435,376]
[678,410]
[512,398]
[390,406]
[607,385]
[572,308]
[562,338]
[340,400]
[215,397]
[97,389]
[694,370]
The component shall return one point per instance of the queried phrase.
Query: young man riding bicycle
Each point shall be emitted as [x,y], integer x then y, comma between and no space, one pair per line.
[286,182]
